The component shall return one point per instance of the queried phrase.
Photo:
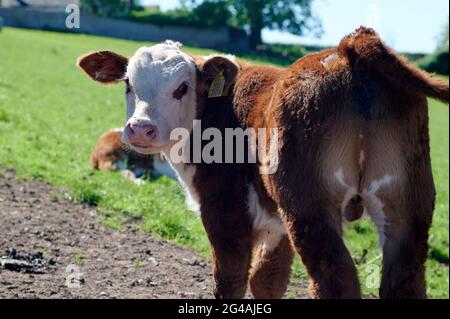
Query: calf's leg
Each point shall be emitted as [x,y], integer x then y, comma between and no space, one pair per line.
[313,223]
[231,264]
[405,232]
[230,234]
[329,264]
[271,269]
[402,207]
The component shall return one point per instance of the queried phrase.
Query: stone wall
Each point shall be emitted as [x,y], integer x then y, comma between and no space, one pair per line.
[55,20]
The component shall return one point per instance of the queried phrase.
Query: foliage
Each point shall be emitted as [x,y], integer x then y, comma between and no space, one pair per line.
[212,13]
[108,8]
[443,41]
[294,16]
[51,116]
[176,17]
[438,62]
[207,14]
[289,52]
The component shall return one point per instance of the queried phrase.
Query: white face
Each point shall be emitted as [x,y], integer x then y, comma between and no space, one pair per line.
[160,95]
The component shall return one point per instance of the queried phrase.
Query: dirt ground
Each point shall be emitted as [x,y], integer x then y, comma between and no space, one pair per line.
[57,249]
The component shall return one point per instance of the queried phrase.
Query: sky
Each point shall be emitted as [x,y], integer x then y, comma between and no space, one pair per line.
[406,25]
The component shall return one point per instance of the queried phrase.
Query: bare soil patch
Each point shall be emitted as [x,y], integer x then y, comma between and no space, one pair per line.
[45,242]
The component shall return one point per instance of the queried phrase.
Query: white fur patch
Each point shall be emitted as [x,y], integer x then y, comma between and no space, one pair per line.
[362,158]
[376,185]
[186,175]
[351,190]
[329,60]
[269,229]
[154,74]
[230,57]
[375,207]
[121,165]
[131,176]
[372,204]
[163,168]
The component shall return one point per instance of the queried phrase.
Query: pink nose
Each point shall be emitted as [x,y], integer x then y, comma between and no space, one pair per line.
[140,132]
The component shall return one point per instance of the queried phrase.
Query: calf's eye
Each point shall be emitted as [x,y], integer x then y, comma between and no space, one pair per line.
[181,91]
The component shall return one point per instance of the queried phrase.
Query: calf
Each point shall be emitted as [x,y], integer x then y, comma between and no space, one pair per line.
[110,154]
[352,136]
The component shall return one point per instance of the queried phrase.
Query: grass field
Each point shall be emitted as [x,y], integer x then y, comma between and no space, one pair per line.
[51,116]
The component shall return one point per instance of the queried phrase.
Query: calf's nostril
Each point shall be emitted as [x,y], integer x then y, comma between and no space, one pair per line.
[139,131]
[129,130]
[152,132]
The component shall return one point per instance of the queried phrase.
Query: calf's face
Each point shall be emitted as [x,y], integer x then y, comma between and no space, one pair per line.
[163,86]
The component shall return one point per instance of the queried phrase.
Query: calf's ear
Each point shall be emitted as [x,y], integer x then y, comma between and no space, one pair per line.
[104,66]
[218,75]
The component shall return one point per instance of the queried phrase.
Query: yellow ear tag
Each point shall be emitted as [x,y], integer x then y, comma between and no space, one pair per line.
[217,86]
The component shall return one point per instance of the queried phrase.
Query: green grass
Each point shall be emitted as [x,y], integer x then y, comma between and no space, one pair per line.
[51,116]
[79,258]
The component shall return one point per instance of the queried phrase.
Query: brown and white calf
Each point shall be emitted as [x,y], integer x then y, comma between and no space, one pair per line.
[353,137]
[110,154]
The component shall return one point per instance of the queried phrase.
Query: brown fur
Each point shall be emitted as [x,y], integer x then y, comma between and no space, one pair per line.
[270,271]
[358,109]
[322,104]
[103,66]
[364,50]
[109,151]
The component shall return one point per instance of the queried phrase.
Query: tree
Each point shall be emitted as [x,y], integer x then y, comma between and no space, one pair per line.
[109,8]
[438,61]
[294,16]
[212,13]
[443,38]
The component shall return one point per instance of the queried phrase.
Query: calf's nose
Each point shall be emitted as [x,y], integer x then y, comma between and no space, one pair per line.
[141,131]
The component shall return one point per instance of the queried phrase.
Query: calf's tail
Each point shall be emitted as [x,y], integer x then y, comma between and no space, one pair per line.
[365,51]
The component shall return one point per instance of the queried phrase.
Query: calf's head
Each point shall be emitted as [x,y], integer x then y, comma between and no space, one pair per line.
[164,88]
